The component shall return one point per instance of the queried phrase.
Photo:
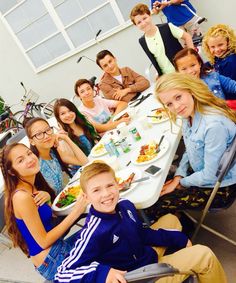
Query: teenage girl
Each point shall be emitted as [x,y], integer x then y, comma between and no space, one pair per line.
[28,222]
[219,44]
[52,157]
[79,129]
[188,61]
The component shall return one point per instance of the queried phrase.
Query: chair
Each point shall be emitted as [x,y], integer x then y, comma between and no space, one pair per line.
[3,238]
[226,162]
[17,137]
[152,272]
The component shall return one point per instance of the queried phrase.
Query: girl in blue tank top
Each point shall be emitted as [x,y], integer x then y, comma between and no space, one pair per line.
[28,214]
[52,155]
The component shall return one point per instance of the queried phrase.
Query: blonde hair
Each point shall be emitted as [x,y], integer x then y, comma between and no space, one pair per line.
[139,9]
[220,30]
[94,169]
[204,100]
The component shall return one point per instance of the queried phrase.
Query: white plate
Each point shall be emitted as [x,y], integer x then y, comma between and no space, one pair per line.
[163,149]
[157,120]
[98,153]
[120,114]
[125,173]
[67,209]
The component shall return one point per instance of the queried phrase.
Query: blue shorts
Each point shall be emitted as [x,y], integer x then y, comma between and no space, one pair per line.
[58,252]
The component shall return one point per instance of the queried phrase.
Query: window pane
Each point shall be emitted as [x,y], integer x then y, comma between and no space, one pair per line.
[88,5]
[80,32]
[126,6]
[25,14]
[49,50]
[69,11]
[37,31]
[6,5]
[103,19]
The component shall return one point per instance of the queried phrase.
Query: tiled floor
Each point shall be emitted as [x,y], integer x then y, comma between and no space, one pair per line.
[15,267]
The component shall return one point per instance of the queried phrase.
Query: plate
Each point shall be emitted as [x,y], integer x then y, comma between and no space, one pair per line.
[65,210]
[163,148]
[121,114]
[98,150]
[161,116]
[124,175]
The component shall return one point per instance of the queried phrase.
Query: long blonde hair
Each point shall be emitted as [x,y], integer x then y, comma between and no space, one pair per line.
[204,101]
[220,30]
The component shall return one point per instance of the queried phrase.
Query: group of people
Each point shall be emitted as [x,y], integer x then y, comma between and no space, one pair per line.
[113,240]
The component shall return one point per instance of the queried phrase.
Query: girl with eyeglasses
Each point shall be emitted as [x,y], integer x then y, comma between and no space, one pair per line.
[29,223]
[52,156]
[79,129]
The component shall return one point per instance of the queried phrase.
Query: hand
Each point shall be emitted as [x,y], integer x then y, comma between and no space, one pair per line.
[189,244]
[41,197]
[120,93]
[81,204]
[170,185]
[115,276]
[124,119]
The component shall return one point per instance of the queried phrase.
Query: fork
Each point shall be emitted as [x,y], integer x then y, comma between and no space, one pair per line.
[127,186]
[159,144]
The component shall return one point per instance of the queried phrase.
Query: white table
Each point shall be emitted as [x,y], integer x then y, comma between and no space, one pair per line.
[147,193]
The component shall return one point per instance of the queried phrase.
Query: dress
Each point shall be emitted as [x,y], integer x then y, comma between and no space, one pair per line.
[52,172]
[219,84]
[118,240]
[101,112]
[129,78]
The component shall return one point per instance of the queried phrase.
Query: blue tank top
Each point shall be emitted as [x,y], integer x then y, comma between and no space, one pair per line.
[45,213]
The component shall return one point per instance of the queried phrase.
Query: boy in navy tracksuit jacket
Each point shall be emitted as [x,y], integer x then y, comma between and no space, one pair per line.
[113,240]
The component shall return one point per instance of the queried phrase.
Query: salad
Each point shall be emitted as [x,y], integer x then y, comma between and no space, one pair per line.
[68,196]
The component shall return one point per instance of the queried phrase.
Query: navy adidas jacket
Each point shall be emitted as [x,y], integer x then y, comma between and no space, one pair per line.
[114,240]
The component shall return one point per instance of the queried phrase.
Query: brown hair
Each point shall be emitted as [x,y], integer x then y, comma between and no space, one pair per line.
[80,120]
[11,180]
[204,100]
[79,83]
[190,51]
[101,55]
[139,9]
[94,169]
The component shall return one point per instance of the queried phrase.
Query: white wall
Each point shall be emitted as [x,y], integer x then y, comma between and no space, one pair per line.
[58,80]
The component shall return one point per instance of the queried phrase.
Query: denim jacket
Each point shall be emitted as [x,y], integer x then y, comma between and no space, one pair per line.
[205,142]
[219,84]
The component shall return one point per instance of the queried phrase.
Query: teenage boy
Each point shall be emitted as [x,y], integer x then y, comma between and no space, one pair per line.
[160,42]
[119,83]
[113,240]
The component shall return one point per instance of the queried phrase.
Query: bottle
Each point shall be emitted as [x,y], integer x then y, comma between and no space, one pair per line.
[111,148]
[124,145]
[135,133]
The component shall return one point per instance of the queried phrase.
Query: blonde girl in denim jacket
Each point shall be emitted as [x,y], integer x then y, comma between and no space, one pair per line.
[208,129]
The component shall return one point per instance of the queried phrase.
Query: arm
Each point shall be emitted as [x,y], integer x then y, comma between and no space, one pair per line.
[213,150]
[139,82]
[29,213]
[73,157]
[227,84]
[100,128]
[188,39]
[121,105]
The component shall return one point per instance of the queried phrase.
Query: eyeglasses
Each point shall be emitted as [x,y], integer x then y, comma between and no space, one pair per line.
[41,135]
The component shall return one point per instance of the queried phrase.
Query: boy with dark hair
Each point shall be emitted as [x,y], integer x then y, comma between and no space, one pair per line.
[114,241]
[119,83]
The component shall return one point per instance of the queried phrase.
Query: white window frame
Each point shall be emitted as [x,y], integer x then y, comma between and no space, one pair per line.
[62,30]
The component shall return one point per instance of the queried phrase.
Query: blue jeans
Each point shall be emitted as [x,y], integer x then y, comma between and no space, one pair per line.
[56,255]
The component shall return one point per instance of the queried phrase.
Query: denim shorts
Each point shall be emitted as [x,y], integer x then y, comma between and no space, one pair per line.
[58,252]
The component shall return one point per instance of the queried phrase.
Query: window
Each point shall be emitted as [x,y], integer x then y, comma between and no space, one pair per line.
[48,31]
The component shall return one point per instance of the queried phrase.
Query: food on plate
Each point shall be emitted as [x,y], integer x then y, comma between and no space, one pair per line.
[147,152]
[68,196]
[99,149]
[123,184]
[159,114]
